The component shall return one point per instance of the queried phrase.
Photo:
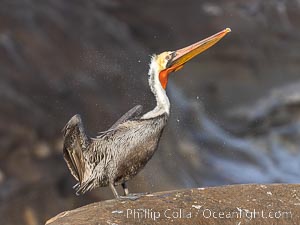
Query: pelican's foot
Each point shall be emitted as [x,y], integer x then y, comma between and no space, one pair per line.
[132,196]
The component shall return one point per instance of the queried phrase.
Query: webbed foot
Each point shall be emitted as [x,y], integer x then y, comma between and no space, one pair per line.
[132,196]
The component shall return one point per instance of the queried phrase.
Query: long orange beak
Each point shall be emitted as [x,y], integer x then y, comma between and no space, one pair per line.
[183,55]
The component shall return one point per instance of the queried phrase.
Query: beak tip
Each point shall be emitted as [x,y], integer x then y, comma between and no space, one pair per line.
[228,30]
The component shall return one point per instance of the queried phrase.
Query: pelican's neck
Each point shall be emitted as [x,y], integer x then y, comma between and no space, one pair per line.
[162,100]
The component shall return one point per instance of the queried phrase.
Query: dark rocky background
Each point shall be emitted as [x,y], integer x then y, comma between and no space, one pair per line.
[235,109]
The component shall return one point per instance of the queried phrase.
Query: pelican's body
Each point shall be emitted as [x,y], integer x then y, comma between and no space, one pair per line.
[115,156]
[118,154]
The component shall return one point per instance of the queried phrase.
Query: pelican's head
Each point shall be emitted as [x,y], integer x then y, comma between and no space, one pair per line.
[172,61]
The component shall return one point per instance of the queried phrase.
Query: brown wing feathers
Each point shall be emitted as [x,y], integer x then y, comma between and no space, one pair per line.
[75,142]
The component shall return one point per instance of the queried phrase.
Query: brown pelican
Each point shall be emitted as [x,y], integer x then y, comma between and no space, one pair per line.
[118,154]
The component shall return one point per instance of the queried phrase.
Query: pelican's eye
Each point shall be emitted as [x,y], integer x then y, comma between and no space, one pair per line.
[169,58]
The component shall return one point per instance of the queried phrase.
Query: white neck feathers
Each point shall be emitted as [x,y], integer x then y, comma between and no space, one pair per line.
[163,104]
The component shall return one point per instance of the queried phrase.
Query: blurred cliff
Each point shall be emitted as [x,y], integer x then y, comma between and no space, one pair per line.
[235,109]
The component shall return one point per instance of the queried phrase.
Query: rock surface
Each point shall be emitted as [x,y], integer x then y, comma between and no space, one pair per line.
[236,204]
